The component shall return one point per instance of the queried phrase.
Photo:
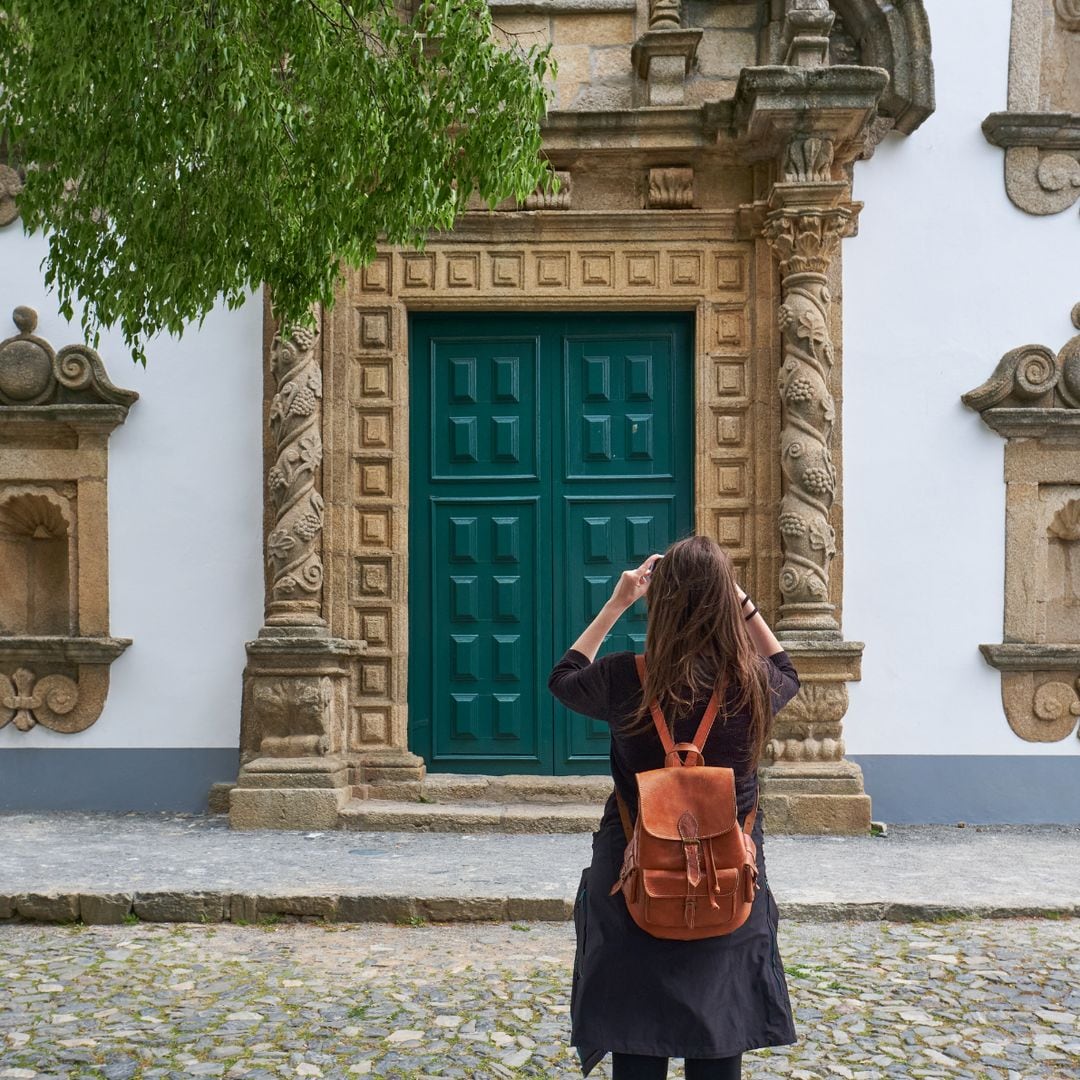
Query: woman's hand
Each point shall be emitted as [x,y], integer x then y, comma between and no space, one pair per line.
[633,584]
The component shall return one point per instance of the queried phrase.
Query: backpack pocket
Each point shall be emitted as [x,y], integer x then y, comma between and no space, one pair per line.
[669,900]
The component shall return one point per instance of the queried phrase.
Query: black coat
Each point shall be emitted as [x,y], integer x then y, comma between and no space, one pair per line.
[637,994]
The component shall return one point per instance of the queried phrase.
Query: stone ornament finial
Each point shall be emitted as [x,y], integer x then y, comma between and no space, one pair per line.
[664,14]
[806,33]
[293,546]
[33,373]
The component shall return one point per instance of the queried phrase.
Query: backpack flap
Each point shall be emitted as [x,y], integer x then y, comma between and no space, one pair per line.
[707,792]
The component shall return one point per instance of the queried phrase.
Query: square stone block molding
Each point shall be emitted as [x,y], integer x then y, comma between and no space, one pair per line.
[57,410]
[1033,400]
[1040,131]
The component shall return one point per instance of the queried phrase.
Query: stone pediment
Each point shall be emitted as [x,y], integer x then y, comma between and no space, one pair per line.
[33,374]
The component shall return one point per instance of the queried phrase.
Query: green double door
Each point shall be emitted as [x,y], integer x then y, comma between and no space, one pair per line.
[548,453]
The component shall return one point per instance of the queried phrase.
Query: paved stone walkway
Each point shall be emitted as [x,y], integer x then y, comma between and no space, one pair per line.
[977,1000]
[192,867]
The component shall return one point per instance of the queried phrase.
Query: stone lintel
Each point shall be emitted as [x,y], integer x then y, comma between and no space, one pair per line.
[675,127]
[1048,131]
[775,104]
[559,7]
[1033,423]
[80,418]
[1024,656]
[62,650]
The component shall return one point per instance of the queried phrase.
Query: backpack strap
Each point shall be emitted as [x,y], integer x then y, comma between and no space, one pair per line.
[654,708]
[704,727]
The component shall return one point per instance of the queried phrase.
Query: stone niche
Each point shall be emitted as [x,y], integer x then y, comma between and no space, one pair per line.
[1033,400]
[1040,131]
[57,410]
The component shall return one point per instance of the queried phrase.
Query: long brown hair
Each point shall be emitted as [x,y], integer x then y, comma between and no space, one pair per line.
[697,638]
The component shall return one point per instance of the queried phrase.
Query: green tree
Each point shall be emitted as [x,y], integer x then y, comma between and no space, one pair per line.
[178,151]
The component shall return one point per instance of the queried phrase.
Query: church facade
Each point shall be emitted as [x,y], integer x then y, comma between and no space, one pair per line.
[780,297]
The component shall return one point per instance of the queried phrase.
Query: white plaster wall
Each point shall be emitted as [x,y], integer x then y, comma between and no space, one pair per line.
[185,520]
[944,277]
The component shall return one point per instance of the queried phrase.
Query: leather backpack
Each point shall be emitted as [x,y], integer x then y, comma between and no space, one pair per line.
[689,871]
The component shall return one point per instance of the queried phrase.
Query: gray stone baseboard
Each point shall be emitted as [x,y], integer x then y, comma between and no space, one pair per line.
[114,779]
[905,789]
[984,789]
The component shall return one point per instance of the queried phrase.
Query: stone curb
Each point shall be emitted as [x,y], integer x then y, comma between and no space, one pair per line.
[198,906]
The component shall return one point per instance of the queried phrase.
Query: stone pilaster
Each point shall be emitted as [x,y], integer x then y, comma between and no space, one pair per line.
[809,122]
[807,785]
[292,738]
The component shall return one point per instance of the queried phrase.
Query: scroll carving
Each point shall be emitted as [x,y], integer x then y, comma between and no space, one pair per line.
[804,242]
[54,701]
[1068,11]
[293,546]
[1032,375]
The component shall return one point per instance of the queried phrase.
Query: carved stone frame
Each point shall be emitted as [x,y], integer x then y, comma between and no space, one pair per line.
[57,410]
[1033,400]
[1040,131]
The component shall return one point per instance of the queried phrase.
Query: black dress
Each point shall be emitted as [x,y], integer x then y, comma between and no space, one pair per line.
[633,993]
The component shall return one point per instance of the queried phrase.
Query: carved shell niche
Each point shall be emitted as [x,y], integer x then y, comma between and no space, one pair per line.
[1066,522]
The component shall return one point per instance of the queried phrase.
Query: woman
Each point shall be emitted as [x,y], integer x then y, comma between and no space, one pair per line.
[647,999]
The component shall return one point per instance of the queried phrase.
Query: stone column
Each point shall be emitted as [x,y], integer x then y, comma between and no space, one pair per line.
[292,734]
[807,217]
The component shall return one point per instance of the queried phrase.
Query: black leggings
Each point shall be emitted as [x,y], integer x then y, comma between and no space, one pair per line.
[639,1067]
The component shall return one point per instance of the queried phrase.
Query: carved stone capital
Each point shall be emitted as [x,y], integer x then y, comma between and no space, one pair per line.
[806,239]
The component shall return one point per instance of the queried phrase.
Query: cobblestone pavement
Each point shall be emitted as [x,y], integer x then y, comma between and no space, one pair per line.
[993,1000]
